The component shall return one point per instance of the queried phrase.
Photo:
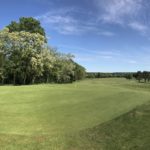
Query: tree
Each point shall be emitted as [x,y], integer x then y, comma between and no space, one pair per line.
[63,70]
[22,52]
[79,72]
[28,24]
[148,78]
[139,76]
[25,57]
[14,27]
[145,75]
[129,76]
[48,60]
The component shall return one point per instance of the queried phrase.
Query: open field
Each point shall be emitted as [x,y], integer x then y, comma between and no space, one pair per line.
[75,116]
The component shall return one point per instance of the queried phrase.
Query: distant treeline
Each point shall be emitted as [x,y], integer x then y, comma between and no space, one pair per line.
[140,76]
[127,75]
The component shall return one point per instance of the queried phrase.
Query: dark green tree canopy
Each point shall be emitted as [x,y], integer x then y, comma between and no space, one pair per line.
[27,24]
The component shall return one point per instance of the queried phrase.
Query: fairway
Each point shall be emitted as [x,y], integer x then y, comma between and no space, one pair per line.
[47,116]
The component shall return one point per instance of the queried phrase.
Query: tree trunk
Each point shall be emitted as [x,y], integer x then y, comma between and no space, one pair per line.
[33,80]
[47,79]
[24,80]
[14,80]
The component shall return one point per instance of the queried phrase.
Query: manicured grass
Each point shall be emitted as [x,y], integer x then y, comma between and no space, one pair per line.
[52,117]
[130,131]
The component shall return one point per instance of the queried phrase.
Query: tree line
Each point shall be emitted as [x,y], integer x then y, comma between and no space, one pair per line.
[109,75]
[26,58]
[142,76]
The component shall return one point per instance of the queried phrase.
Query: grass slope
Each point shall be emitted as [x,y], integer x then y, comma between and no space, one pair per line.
[52,117]
[130,131]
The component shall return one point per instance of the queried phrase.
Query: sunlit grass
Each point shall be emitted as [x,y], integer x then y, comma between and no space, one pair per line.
[49,116]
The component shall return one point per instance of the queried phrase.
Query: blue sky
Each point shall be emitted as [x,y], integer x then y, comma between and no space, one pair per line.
[104,35]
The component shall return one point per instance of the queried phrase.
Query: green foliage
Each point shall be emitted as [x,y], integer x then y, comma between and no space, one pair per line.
[25,58]
[108,75]
[79,72]
[129,76]
[145,75]
[26,24]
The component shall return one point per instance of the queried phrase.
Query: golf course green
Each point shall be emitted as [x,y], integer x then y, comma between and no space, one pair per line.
[94,114]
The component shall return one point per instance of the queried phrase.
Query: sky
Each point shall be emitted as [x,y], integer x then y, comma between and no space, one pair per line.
[103,35]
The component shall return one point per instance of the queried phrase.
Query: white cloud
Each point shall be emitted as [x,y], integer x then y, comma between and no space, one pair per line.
[127,13]
[112,53]
[138,26]
[74,21]
[61,21]
[66,21]
[115,11]
[57,16]
[91,55]
[96,52]
[132,62]
[107,33]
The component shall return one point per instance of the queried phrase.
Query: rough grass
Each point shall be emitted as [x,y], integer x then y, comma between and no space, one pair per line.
[72,116]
